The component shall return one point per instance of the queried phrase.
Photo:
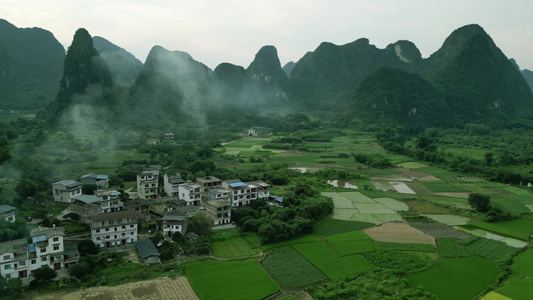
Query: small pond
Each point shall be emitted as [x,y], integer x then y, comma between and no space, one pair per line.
[342,183]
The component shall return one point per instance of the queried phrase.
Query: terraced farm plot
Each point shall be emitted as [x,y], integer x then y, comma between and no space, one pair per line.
[398,232]
[451,220]
[328,226]
[492,236]
[383,186]
[517,288]
[523,265]
[438,230]
[392,204]
[402,188]
[520,229]
[235,247]
[309,238]
[344,214]
[376,218]
[339,199]
[456,278]
[418,188]
[331,264]
[495,296]
[290,269]
[350,243]
[444,187]
[357,197]
[373,208]
[211,279]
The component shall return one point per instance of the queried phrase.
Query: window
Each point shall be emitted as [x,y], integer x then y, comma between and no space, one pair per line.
[22,263]
[131,226]
[7,257]
[97,238]
[56,239]
[43,258]
[7,267]
[8,276]
[43,250]
[97,230]
[131,233]
[33,261]
[56,248]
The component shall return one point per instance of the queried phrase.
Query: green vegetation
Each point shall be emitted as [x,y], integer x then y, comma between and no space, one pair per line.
[451,247]
[211,279]
[330,263]
[457,278]
[369,285]
[290,269]
[399,262]
[520,229]
[327,227]
[384,246]
[232,244]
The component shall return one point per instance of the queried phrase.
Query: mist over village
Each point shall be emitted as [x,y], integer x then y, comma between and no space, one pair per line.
[359,170]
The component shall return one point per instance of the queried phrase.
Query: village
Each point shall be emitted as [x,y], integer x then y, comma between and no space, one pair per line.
[114,223]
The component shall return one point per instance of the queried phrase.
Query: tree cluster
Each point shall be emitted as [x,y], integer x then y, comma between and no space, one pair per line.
[301,210]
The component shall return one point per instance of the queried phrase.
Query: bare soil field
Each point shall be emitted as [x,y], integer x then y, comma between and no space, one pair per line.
[398,232]
[437,230]
[161,288]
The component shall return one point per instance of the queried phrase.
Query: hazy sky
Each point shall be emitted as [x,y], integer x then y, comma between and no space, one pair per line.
[233,31]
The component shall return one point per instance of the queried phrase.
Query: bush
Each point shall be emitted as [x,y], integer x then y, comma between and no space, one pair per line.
[44,274]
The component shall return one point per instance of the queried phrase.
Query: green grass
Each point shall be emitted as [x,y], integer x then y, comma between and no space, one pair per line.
[350,243]
[523,265]
[399,262]
[327,227]
[228,244]
[303,239]
[290,269]
[442,174]
[392,204]
[517,288]
[520,229]
[456,278]
[230,280]
[331,264]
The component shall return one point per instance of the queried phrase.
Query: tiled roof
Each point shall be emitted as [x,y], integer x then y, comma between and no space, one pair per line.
[146,248]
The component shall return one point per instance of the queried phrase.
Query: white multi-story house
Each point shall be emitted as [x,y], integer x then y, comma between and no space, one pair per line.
[101,181]
[113,229]
[218,194]
[190,192]
[219,211]
[261,188]
[86,206]
[7,212]
[64,191]
[243,193]
[148,184]
[172,223]
[49,249]
[171,184]
[110,200]
[20,259]
[14,259]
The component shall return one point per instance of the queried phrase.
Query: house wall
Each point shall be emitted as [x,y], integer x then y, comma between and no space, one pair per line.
[114,232]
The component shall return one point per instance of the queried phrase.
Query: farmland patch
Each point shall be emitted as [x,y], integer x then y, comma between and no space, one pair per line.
[331,264]
[438,230]
[290,269]
[376,218]
[492,236]
[412,165]
[345,214]
[211,279]
[517,288]
[456,278]
[398,232]
[520,229]
[523,265]
[451,220]
[357,197]
[384,186]
[327,227]
[393,204]
[402,188]
[373,208]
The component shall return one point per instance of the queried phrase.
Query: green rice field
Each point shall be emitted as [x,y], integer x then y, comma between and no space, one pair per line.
[290,269]
[392,204]
[235,246]
[450,220]
[517,288]
[523,265]
[330,263]
[328,226]
[520,229]
[444,187]
[303,239]
[456,278]
[230,279]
